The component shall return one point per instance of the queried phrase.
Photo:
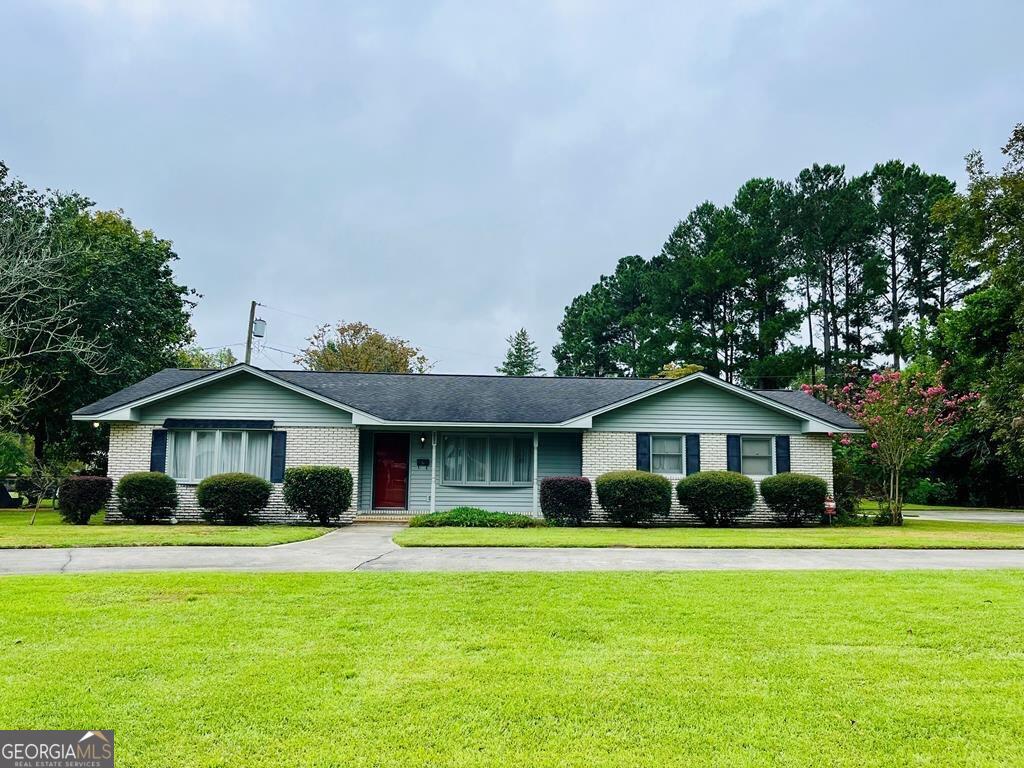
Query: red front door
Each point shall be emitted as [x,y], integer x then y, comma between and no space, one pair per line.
[390,470]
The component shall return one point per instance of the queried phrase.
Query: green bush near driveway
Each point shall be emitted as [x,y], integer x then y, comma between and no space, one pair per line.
[794,498]
[565,500]
[471,517]
[146,497]
[717,497]
[83,496]
[322,493]
[634,497]
[232,497]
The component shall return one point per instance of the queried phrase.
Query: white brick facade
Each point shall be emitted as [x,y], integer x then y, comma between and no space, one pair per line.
[608,451]
[130,446]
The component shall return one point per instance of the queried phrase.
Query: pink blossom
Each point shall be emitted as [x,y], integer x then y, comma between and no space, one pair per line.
[875,445]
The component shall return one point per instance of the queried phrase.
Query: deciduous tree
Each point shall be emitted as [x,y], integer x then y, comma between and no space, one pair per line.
[358,347]
[197,357]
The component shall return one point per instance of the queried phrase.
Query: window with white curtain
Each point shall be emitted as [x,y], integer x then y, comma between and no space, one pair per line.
[756,456]
[487,459]
[193,454]
[667,454]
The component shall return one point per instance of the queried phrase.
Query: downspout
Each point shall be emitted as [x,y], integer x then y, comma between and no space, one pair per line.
[433,470]
[536,480]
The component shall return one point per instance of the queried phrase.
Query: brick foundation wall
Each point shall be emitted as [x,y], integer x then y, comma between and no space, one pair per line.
[338,446]
[608,451]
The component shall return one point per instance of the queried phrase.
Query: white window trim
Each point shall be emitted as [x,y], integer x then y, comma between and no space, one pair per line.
[681,436]
[172,437]
[511,483]
[771,454]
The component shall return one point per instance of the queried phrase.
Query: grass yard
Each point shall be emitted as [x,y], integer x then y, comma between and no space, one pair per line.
[914,534]
[50,531]
[696,669]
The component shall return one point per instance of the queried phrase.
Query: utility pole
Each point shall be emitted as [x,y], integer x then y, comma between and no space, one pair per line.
[248,333]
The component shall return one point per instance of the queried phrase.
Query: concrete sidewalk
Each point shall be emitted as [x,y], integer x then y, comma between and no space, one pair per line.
[370,548]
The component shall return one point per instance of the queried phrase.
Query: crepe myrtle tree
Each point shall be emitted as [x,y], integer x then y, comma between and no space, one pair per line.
[906,416]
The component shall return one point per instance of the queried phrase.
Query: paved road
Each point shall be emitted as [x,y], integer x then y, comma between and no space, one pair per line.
[369,548]
[969,516]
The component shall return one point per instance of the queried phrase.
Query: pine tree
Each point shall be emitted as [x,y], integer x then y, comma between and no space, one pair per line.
[522,356]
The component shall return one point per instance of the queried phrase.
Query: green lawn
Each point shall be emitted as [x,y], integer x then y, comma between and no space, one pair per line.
[914,534]
[50,531]
[696,669]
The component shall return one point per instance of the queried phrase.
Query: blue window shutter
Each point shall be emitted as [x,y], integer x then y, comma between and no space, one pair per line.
[643,451]
[732,453]
[277,447]
[692,454]
[782,453]
[158,451]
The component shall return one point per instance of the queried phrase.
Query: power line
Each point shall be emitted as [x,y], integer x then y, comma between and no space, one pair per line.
[289,312]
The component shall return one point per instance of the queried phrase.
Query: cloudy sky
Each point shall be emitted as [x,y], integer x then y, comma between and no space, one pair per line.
[449,172]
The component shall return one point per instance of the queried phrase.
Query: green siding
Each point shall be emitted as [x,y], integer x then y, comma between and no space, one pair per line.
[558,453]
[697,407]
[244,396]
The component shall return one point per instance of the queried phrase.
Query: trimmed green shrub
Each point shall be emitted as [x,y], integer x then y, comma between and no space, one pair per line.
[634,497]
[82,497]
[794,498]
[565,500]
[322,493]
[146,497]
[471,517]
[717,497]
[232,497]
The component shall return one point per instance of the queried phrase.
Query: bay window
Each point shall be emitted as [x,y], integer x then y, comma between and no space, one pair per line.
[487,460]
[193,454]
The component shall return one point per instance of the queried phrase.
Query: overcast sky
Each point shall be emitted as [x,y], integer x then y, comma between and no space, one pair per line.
[449,172]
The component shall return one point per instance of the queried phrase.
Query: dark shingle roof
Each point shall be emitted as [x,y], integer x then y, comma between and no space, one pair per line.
[467,399]
[430,397]
[459,399]
[810,405]
[168,378]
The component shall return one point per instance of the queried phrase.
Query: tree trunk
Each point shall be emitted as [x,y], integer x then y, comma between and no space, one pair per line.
[39,438]
[826,328]
[894,294]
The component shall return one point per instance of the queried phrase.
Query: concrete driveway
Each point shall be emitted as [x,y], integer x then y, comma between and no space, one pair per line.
[370,548]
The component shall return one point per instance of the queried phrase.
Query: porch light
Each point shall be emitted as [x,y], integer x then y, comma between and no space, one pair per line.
[95,425]
[423,439]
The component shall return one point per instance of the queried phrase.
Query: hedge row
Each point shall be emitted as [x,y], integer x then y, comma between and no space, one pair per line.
[324,493]
[719,498]
[321,493]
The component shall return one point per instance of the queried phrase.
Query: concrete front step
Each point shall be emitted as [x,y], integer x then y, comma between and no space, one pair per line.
[383,517]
